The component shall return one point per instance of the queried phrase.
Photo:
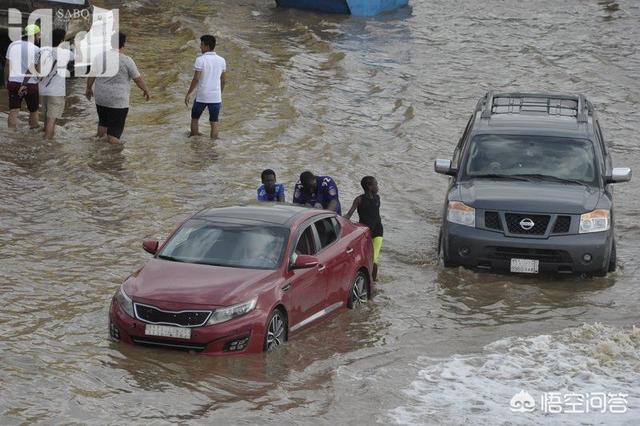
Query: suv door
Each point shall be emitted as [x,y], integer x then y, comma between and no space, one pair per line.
[305,287]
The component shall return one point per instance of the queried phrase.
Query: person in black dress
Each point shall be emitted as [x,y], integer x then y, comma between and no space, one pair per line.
[368,206]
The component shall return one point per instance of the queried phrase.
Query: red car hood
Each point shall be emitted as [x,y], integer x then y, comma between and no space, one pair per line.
[180,285]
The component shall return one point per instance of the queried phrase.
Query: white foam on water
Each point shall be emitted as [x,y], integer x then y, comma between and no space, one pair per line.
[477,389]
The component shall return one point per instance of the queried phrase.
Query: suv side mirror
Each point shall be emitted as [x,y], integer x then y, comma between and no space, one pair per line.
[303,261]
[444,167]
[619,174]
[150,246]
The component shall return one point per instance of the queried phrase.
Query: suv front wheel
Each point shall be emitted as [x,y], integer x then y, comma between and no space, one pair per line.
[613,258]
[442,254]
[611,266]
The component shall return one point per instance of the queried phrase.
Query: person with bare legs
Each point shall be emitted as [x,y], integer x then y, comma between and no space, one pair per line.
[53,66]
[209,79]
[368,207]
[112,90]
[20,76]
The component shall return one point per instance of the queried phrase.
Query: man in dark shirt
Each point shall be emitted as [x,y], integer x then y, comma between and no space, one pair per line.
[320,192]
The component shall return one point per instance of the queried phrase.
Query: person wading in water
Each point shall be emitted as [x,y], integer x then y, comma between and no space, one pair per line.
[209,79]
[368,206]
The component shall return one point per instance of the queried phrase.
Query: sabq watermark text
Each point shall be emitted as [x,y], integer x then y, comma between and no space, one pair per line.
[90,47]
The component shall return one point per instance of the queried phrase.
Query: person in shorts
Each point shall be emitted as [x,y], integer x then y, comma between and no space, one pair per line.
[20,76]
[52,87]
[209,78]
[368,206]
[112,90]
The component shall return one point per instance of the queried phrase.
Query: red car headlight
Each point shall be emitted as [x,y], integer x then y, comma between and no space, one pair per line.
[125,302]
[226,314]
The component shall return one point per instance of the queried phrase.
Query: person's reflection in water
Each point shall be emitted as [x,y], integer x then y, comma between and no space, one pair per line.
[30,152]
[204,155]
[610,7]
[107,158]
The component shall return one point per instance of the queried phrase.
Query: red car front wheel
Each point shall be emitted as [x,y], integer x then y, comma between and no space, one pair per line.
[276,333]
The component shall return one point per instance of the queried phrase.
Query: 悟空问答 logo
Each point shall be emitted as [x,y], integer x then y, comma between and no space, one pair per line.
[522,402]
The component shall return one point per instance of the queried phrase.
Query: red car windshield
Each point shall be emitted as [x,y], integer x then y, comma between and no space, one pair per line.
[224,244]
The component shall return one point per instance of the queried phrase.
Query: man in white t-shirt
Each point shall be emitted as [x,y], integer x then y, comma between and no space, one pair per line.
[19,76]
[53,66]
[209,78]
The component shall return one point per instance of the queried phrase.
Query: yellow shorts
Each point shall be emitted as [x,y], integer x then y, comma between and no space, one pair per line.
[377,245]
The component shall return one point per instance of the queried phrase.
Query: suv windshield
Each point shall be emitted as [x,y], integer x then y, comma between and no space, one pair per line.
[224,244]
[534,157]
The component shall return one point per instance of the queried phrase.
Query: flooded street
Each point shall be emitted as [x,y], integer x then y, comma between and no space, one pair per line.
[341,96]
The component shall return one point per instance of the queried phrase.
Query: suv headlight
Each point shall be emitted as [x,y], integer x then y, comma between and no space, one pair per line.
[461,214]
[124,301]
[225,314]
[595,221]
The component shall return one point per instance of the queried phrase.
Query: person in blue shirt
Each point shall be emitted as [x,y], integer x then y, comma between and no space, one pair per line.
[320,192]
[270,190]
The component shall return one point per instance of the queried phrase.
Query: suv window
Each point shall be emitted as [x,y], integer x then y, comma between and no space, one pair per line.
[456,153]
[306,244]
[326,231]
[603,145]
[534,156]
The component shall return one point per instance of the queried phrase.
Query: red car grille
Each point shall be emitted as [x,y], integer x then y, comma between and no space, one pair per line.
[185,346]
[153,315]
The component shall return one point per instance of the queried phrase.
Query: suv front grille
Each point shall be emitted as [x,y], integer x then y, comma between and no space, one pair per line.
[154,315]
[543,255]
[492,220]
[563,223]
[515,221]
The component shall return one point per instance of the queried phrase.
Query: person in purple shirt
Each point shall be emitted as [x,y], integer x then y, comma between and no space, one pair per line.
[320,192]
[270,190]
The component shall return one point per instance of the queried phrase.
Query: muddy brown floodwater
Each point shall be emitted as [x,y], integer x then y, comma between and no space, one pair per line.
[347,97]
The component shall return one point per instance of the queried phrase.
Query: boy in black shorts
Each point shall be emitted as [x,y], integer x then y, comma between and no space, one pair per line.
[368,206]
[20,77]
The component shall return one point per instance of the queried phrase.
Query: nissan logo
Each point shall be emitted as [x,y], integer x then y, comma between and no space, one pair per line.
[526,224]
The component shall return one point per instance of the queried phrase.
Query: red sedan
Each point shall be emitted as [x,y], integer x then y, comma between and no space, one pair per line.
[244,279]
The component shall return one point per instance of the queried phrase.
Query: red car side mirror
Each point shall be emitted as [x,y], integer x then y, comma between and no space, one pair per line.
[150,246]
[304,261]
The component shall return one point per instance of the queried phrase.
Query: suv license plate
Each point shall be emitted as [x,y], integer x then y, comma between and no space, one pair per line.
[166,331]
[525,266]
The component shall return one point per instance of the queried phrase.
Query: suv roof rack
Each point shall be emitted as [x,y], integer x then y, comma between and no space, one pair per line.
[515,103]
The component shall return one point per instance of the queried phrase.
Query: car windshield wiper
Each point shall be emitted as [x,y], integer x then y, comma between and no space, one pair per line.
[202,262]
[553,178]
[499,176]
[171,258]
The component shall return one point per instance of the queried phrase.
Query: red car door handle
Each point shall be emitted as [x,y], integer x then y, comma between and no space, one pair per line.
[321,268]
[286,287]
[349,250]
